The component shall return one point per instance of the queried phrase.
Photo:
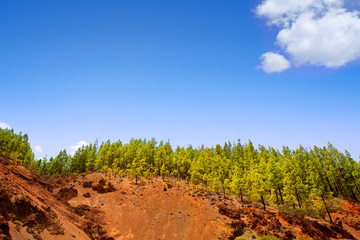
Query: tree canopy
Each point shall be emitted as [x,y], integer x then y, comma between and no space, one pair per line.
[294,178]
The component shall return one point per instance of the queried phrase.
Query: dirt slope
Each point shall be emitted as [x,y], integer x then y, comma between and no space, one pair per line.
[93,206]
[145,211]
[29,210]
[33,207]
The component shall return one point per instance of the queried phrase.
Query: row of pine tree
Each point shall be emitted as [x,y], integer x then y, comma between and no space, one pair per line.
[301,178]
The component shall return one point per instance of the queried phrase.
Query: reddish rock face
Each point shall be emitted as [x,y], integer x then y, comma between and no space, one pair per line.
[95,206]
[67,193]
[4,229]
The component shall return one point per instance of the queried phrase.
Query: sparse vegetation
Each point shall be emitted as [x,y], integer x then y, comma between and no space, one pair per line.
[242,238]
[106,186]
[266,237]
[164,186]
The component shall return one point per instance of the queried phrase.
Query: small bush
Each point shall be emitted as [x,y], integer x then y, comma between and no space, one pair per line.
[267,237]
[107,185]
[241,238]
[164,186]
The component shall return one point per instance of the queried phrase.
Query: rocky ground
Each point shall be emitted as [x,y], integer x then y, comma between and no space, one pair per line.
[94,206]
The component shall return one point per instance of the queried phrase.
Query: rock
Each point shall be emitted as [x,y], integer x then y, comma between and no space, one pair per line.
[4,229]
[87,184]
[67,193]
[104,186]
[87,195]
[82,209]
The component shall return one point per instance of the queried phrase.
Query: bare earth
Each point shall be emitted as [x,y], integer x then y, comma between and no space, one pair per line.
[84,207]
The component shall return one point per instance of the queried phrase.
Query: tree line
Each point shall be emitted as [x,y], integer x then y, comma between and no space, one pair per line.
[301,178]
[16,147]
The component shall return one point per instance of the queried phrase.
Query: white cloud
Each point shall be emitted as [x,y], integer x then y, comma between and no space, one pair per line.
[273,62]
[4,125]
[38,149]
[77,146]
[315,32]
[283,12]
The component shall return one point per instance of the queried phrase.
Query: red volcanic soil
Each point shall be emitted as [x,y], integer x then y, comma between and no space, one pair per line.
[94,206]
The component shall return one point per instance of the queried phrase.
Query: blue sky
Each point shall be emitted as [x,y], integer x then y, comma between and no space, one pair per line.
[188,71]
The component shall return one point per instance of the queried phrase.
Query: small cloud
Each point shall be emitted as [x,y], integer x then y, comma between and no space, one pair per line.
[4,125]
[77,146]
[38,149]
[273,62]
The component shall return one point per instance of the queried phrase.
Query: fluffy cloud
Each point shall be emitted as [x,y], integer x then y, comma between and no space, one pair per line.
[38,149]
[273,62]
[314,32]
[4,125]
[77,146]
[283,12]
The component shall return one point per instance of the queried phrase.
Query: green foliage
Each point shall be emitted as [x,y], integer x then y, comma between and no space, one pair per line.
[107,185]
[16,147]
[164,186]
[267,237]
[301,179]
[60,164]
[242,238]
[295,179]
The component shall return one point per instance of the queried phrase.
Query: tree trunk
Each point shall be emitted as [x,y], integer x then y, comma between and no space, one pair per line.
[352,193]
[327,210]
[297,197]
[341,189]
[357,188]
[277,197]
[282,200]
[263,202]
[327,179]
[323,182]
[337,190]
[241,196]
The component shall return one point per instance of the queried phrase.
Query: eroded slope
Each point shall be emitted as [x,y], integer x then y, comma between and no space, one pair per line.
[95,206]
